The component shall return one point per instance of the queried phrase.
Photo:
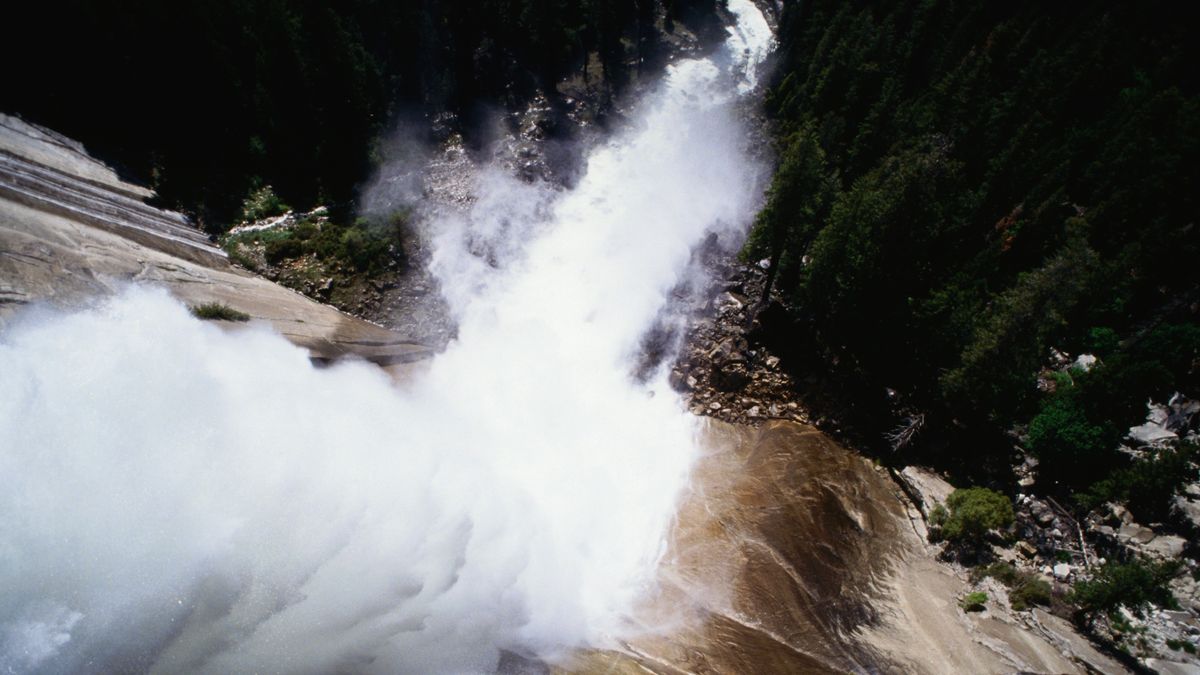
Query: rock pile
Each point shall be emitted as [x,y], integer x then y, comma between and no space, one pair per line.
[720,372]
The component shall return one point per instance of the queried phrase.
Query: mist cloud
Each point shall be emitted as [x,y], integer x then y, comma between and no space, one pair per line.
[181,498]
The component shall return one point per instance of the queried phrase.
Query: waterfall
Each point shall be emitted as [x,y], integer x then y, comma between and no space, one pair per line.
[180,498]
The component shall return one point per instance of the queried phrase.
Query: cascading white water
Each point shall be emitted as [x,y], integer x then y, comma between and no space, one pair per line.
[182,499]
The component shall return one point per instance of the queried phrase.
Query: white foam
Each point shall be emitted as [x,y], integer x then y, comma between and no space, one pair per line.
[183,499]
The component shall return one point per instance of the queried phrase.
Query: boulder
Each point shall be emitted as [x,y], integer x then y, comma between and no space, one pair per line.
[1188,509]
[677,381]
[1165,667]
[1121,513]
[1181,413]
[1062,571]
[1134,533]
[1166,547]
[728,302]
[1154,431]
[1041,512]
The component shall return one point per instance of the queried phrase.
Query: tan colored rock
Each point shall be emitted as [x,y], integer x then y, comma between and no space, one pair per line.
[794,555]
[1026,550]
[1165,547]
[932,488]
[66,252]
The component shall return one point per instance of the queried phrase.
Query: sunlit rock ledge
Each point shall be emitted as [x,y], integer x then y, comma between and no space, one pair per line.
[72,231]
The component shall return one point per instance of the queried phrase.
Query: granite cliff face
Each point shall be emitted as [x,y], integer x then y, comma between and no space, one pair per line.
[71,230]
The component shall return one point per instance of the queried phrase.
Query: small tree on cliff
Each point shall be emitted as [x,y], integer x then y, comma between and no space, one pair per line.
[971,513]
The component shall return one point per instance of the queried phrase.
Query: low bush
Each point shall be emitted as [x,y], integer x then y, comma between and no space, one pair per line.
[217,311]
[1147,485]
[1029,592]
[970,513]
[262,203]
[1182,645]
[365,246]
[1134,585]
[974,602]
[278,250]
[1024,588]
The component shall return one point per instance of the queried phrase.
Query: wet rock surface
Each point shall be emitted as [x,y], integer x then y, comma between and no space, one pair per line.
[792,554]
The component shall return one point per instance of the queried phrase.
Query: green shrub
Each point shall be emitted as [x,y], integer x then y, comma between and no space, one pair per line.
[1029,592]
[1134,585]
[1175,346]
[938,515]
[1005,573]
[1024,589]
[370,246]
[262,203]
[1077,431]
[1062,433]
[1147,485]
[366,245]
[974,602]
[284,248]
[972,512]
[1102,341]
[359,248]
[1182,645]
[305,230]
[218,311]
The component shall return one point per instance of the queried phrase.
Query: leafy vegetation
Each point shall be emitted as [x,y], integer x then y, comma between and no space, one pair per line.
[218,311]
[368,246]
[1182,645]
[974,602]
[964,186]
[1079,426]
[970,513]
[1147,484]
[1135,585]
[1025,589]
[262,203]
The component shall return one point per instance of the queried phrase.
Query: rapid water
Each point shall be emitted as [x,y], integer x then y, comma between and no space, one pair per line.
[178,498]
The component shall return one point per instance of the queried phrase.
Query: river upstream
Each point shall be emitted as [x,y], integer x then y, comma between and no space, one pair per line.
[181,497]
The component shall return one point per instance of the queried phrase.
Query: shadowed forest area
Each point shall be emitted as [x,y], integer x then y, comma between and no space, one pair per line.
[965,186]
[206,100]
